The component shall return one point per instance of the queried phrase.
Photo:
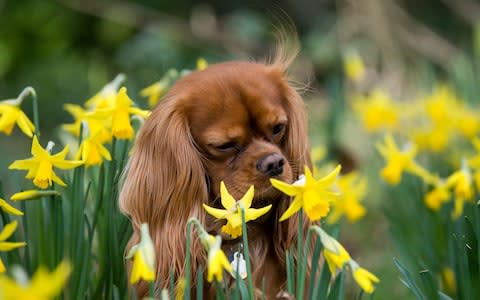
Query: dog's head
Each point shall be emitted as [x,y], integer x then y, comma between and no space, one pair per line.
[240,122]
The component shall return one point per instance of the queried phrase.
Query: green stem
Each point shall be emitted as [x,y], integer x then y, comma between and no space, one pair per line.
[186,295]
[303,268]
[299,254]
[247,254]
[151,289]
[31,91]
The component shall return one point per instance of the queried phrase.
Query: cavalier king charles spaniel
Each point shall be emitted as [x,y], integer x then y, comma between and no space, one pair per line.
[240,122]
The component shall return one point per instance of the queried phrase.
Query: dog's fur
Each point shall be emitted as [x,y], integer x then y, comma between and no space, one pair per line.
[213,125]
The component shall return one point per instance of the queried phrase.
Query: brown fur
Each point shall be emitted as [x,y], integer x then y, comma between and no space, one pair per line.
[175,167]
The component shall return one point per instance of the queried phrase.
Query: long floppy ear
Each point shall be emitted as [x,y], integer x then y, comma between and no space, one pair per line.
[164,185]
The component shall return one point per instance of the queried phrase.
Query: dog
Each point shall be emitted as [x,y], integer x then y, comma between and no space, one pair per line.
[240,122]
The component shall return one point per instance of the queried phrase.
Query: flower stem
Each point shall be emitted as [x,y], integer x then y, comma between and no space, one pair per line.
[246,254]
[299,255]
[188,269]
[31,91]
[151,289]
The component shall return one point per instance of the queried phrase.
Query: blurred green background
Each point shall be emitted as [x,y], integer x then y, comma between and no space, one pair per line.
[67,50]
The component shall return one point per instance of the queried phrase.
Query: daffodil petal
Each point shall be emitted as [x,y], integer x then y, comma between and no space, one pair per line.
[8,230]
[227,200]
[57,179]
[8,246]
[217,213]
[295,206]
[9,209]
[247,198]
[104,152]
[286,188]
[23,164]
[254,213]
[37,150]
[139,112]
[25,124]
[2,267]
[330,178]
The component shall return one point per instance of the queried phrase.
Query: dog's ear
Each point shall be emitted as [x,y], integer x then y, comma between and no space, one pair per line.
[164,185]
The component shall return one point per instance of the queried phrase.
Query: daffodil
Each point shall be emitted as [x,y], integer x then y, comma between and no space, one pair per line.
[143,257]
[92,152]
[106,97]
[33,194]
[44,285]
[232,211]
[202,64]
[156,90]
[363,277]
[40,166]
[377,111]
[9,209]
[399,161]
[337,257]
[353,66]
[437,197]
[97,125]
[11,114]
[6,232]
[448,280]
[313,195]
[217,261]
[462,183]
[353,189]
[120,112]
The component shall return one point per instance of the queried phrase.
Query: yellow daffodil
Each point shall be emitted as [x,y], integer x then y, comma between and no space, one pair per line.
[217,261]
[40,166]
[9,209]
[377,111]
[353,189]
[364,278]
[43,286]
[468,123]
[6,232]
[120,113]
[202,64]
[106,97]
[440,104]
[156,90]
[448,280]
[92,152]
[353,67]
[313,195]
[97,125]
[33,194]
[399,161]
[462,184]
[437,197]
[335,255]
[11,114]
[143,257]
[232,211]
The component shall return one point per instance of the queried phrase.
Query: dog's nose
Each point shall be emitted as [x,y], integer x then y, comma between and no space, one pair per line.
[271,164]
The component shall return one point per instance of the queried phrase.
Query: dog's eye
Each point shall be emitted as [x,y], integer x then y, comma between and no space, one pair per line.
[228,146]
[277,129]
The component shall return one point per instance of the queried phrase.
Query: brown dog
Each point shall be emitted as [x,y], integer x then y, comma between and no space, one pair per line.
[240,122]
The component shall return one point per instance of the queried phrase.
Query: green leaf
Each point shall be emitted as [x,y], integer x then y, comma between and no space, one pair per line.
[407,279]
[337,290]
[429,284]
